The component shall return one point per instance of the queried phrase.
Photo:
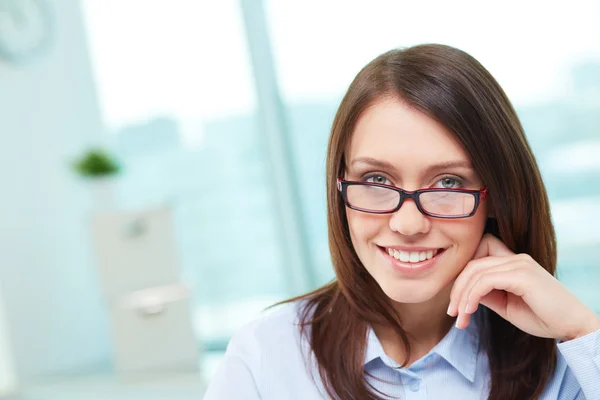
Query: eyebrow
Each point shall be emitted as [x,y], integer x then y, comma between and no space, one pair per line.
[435,167]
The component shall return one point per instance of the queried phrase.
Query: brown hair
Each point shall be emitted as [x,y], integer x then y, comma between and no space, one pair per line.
[454,89]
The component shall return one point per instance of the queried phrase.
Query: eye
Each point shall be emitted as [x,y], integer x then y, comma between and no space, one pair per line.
[377,179]
[449,182]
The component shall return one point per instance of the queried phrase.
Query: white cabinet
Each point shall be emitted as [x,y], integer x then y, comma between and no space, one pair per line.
[153,332]
[149,306]
[135,250]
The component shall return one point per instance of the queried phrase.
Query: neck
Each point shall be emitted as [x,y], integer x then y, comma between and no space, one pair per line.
[425,325]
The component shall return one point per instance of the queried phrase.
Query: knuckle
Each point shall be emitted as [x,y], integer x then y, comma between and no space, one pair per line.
[524,257]
[521,273]
[472,264]
[477,276]
[484,280]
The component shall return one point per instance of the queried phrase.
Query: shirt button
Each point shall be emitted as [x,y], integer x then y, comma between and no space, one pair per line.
[414,385]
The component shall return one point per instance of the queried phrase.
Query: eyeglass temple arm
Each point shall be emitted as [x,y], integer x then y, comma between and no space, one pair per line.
[484,193]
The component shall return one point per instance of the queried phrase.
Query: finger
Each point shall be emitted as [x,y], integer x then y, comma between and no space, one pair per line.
[514,281]
[465,276]
[464,302]
[463,320]
[496,301]
[490,245]
[466,305]
[522,264]
[491,251]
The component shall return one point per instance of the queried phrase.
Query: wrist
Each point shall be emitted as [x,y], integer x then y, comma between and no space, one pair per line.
[593,325]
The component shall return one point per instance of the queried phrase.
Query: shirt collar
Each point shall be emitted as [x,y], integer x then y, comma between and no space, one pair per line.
[460,348]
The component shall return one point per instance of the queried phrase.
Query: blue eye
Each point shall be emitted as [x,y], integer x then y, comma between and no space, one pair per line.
[449,183]
[380,179]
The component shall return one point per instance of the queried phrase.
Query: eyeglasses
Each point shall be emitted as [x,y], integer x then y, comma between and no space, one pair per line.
[377,198]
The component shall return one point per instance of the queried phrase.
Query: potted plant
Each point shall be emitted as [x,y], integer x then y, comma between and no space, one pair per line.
[100,168]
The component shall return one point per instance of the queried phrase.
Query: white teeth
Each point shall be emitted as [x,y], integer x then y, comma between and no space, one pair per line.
[404,256]
[413,256]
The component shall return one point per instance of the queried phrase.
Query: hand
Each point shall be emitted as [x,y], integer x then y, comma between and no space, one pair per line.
[521,291]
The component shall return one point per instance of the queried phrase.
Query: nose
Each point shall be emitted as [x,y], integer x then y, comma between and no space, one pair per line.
[409,221]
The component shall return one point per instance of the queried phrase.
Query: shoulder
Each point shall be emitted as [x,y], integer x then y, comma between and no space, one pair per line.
[276,329]
[275,357]
[263,359]
[273,349]
[280,320]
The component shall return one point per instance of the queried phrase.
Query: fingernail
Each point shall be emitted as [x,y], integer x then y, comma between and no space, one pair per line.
[448,312]
[467,308]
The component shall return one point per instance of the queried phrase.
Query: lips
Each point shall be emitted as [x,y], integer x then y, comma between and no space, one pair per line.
[411,266]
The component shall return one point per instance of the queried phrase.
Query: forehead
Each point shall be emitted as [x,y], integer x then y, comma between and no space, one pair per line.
[391,131]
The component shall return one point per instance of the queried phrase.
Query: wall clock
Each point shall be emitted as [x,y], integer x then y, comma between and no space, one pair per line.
[25,29]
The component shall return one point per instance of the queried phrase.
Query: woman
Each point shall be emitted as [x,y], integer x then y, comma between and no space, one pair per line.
[444,252]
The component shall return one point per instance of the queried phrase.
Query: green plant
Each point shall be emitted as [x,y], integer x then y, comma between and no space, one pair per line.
[96,163]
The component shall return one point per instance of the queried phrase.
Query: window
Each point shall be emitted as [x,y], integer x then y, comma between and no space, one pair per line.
[551,75]
[176,91]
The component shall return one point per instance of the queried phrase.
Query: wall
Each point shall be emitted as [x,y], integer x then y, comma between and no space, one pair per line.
[48,113]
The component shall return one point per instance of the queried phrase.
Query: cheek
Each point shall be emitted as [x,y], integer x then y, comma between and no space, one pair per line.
[466,236]
[363,227]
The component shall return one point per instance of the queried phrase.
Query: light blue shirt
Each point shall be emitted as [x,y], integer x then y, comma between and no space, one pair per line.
[266,360]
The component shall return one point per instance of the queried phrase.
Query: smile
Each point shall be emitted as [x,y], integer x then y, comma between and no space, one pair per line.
[412,256]
[413,261]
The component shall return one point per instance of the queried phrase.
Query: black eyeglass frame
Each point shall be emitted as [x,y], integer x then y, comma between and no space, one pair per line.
[480,195]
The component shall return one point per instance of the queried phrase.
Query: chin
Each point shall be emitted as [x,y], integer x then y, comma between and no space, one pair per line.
[410,295]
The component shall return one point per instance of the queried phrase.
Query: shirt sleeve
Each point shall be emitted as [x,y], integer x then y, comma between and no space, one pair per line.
[235,378]
[583,358]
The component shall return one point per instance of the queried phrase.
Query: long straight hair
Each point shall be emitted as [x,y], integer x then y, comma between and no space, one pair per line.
[453,88]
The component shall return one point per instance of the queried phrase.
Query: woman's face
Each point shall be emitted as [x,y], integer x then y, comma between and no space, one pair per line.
[399,146]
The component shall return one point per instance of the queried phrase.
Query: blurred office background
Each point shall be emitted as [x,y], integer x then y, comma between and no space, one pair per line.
[219,112]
